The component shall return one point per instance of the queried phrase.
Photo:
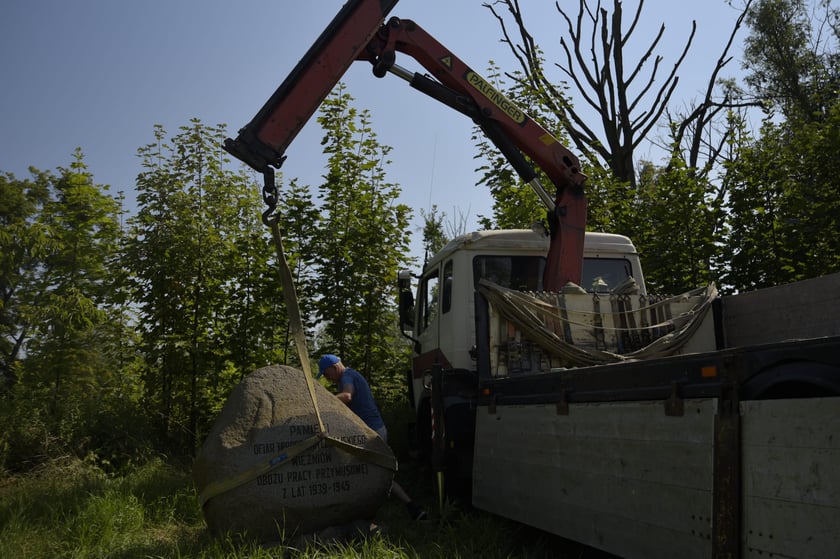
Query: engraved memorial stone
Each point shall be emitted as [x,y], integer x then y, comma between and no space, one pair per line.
[250,485]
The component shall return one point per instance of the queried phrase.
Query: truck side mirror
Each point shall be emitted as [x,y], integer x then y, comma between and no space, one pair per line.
[406,300]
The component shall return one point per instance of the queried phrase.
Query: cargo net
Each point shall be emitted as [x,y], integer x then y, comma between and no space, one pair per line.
[539,331]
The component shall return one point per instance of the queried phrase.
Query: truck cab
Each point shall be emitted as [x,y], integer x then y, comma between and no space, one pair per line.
[441,320]
[442,315]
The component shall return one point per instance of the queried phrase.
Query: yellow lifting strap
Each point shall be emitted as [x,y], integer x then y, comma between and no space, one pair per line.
[296,324]
[219,487]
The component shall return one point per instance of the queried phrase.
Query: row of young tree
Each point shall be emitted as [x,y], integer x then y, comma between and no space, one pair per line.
[122,334]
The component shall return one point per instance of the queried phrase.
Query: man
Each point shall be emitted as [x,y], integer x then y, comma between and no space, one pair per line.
[354,391]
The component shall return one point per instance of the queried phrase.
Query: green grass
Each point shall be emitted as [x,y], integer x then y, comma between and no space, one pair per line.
[68,509]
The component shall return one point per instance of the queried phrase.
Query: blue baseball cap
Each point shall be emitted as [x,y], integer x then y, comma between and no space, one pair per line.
[326,362]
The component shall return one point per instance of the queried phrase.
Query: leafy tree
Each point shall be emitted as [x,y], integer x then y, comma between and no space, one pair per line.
[784,205]
[118,333]
[193,246]
[74,286]
[24,245]
[298,218]
[61,299]
[434,237]
[782,188]
[362,240]
[678,234]
[791,55]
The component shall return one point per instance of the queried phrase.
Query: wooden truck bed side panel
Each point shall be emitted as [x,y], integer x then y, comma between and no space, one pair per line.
[805,309]
[791,477]
[619,476]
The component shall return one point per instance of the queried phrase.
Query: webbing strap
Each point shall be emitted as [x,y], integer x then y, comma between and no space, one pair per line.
[375,458]
[296,324]
[263,467]
[218,487]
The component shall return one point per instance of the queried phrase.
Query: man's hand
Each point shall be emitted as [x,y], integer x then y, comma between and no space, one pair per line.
[346,394]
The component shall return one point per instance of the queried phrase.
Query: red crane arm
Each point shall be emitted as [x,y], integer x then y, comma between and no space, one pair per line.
[358,33]
[508,126]
[408,37]
[263,141]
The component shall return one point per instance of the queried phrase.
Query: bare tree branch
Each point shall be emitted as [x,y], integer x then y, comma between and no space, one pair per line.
[627,98]
[605,87]
[707,109]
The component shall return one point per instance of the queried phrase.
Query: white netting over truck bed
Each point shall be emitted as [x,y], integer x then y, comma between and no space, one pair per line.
[531,331]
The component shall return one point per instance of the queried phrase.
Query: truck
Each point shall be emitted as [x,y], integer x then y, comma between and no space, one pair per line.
[551,388]
[722,446]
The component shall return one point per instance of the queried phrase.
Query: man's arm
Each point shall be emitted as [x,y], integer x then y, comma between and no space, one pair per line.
[346,394]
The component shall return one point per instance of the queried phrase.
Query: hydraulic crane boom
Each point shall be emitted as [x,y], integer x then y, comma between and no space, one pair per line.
[263,141]
[358,32]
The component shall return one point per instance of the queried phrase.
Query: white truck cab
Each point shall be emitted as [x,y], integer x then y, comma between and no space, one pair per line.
[441,317]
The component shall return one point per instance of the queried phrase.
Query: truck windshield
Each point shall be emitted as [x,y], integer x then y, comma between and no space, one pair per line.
[524,273]
[602,275]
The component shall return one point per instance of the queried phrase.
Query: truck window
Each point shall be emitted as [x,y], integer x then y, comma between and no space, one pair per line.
[446,296]
[524,273]
[428,299]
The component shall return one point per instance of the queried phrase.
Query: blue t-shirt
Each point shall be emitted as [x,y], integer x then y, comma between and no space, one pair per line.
[362,402]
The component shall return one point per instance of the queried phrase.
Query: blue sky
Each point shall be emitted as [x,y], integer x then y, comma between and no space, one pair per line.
[99,74]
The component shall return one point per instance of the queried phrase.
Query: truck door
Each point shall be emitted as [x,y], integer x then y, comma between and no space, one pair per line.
[427,329]
[434,317]
[447,329]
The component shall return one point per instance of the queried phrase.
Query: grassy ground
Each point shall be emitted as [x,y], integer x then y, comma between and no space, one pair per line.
[71,510]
